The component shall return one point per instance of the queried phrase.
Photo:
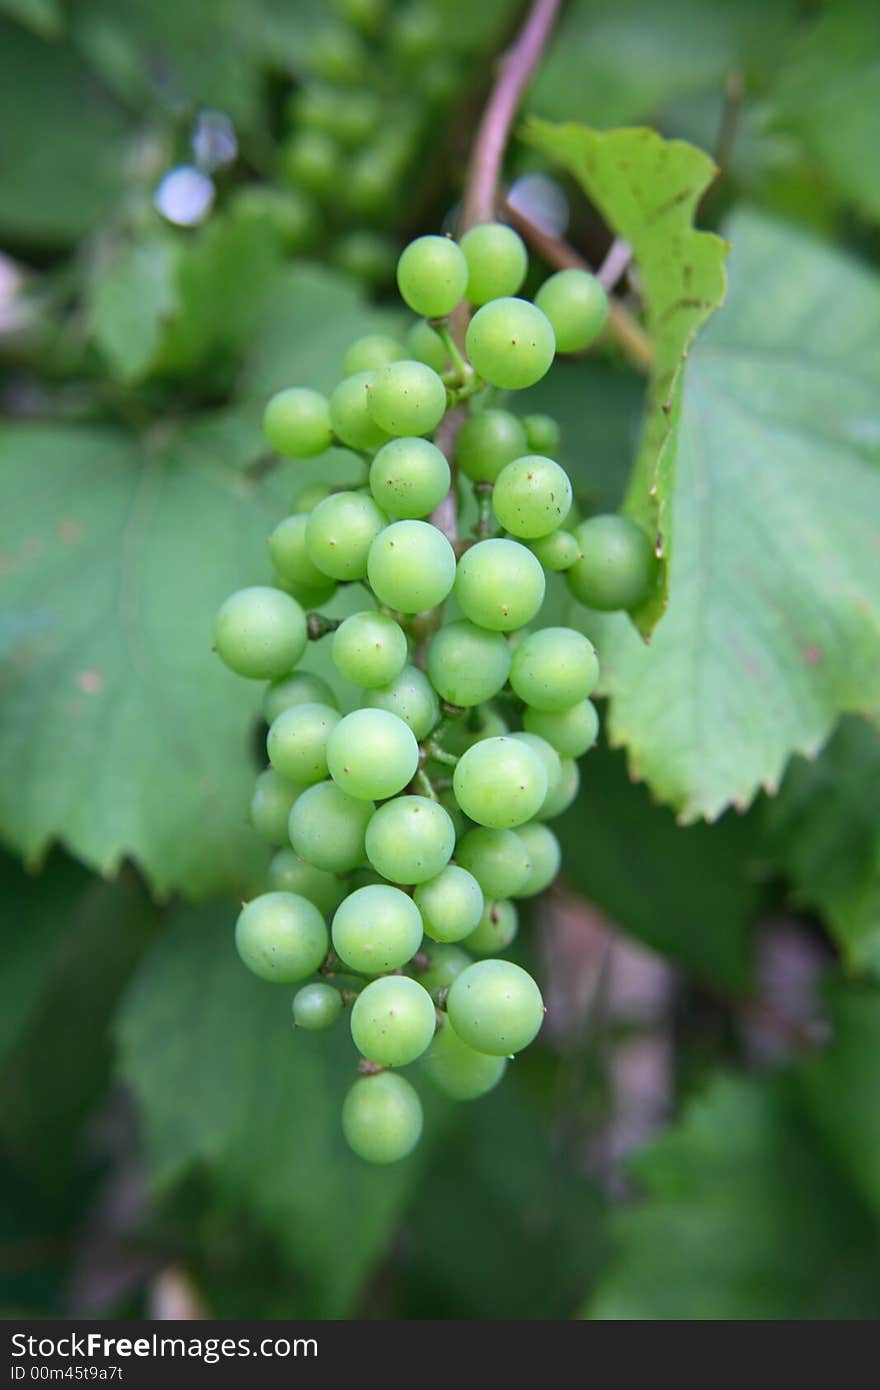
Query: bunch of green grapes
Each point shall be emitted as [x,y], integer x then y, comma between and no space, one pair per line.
[408,829]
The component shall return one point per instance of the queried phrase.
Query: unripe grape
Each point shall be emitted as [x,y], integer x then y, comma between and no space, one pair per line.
[495,930]
[558,551]
[410,839]
[546,857]
[271,803]
[616,564]
[542,434]
[308,498]
[316,1007]
[368,16]
[406,398]
[370,649]
[510,343]
[281,937]
[531,496]
[484,721]
[297,742]
[499,584]
[497,261]
[338,55]
[426,345]
[382,1118]
[498,860]
[411,697]
[564,792]
[457,1070]
[260,632]
[432,276]
[487,441]
[367,255]
[467,664]
[451,904]
[495,1007]
[369,353]
[372,754]
[288,212]
[577,307]
[549,758]
[290,874]
[554,668]
[296,423]
[393,1021]
[570,731]
[376,928]
[409,478]
[351,418]
[500,782]
[445,963]
[311,160]
[327,828]
[290,556]
[411,566]
[340,531]
[299,688]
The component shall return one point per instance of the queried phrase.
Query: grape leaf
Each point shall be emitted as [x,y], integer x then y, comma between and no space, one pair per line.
[43,16]
[773,628]
[131,302]
[743,1216]
[647,190]
[224,1084]
[824,829]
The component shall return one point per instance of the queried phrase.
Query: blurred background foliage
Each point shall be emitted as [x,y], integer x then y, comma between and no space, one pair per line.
[200,203]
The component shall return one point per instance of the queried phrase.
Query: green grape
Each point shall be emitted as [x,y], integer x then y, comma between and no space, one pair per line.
[467,664]
[458,1070]
[338,55]
[495,1007]
[308,596]
[308,499]
[542,434]
[482,722]
[370,649]
[350,416]
[290,556]
[500,782]
[327,828]
[261,632]
[410,839]
[281,937]
[498,860]
[382,1118]
[411,697]
[367,255]
[367,16]
[495,930]
[340,531]
[296,423]
[445,963]
[616,565]
[376,928]
[432,276]
[531,496]
[510,343]
[290,214]
[372,754]
[416,33]
[558,551]
[497,261]
[564,793]
[310,160]
[354,117]
[424,344]
[406,398]
[297,742]
[451,904]
[369,353]
[487,441]
[546,857]
[290,874]
[271,805]
[554,668]
[393,1021]
[316,1007]
[499,584]
[299,688]
[550,760]
[411,566]
[409,478]
[577,307]
[371,181]
[570,731]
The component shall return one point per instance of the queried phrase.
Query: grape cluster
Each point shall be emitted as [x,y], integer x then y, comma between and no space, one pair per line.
[415,822]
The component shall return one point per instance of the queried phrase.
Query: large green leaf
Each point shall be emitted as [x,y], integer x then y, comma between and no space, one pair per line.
[743,1216]
[43,16]
[226,1087]
[774,621]
[647,190]
[824,829]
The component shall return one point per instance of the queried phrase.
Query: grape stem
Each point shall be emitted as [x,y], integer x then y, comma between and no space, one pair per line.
[318,626]
[517,67]
[435,753]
